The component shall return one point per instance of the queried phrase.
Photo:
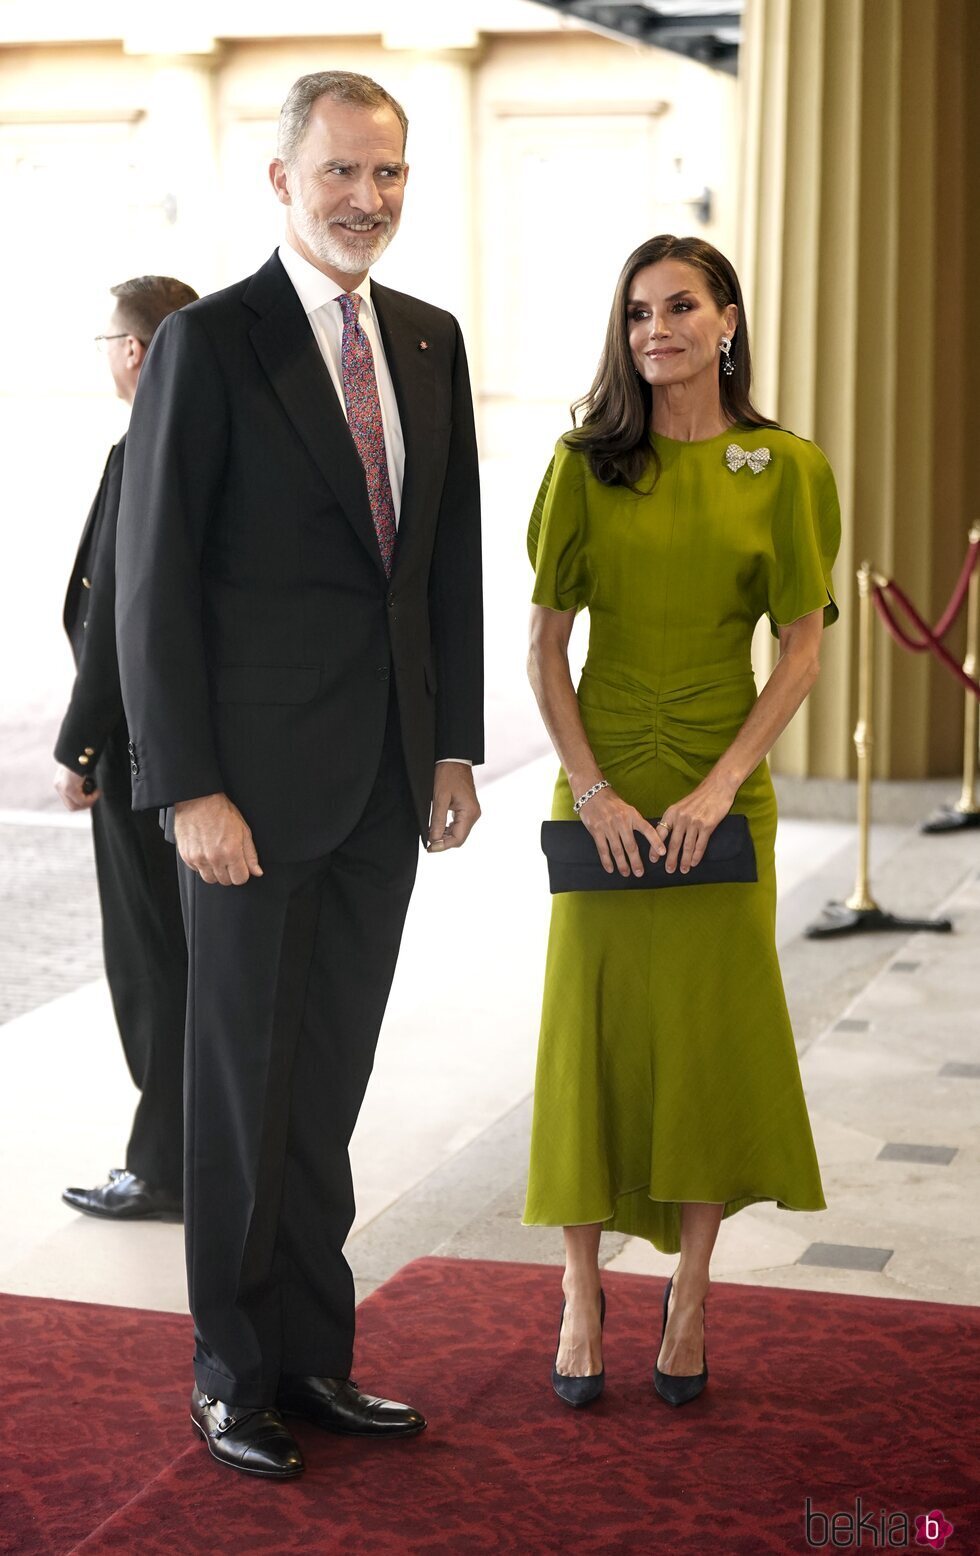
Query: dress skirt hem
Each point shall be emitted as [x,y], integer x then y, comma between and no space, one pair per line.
[636,1216]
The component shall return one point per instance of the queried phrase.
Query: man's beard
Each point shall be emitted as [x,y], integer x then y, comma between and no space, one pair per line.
[328,240]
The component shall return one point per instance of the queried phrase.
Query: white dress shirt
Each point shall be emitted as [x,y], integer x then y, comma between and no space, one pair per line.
[319,294]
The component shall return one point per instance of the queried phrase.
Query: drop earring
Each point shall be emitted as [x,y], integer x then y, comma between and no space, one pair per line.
[728,366]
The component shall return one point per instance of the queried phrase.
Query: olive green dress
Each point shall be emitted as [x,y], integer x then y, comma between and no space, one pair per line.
[667,1069]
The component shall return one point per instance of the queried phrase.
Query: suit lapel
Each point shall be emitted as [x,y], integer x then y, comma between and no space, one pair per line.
[94,515]
[412,374]
[287,349]
[85,545]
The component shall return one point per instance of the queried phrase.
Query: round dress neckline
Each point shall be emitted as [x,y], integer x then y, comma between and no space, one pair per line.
[729,432]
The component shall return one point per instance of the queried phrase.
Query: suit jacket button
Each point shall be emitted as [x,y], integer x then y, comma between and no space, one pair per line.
[391,601]
[131,749]
[83,759]
[382,672]
[89,750]
[134,768]
[86,583]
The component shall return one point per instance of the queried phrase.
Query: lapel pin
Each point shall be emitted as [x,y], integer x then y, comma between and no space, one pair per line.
[423,345]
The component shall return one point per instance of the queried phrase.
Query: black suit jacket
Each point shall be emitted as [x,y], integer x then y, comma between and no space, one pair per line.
[257,629]
[96,706]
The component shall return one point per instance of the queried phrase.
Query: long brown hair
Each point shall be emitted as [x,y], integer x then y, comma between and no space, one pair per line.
[616,412]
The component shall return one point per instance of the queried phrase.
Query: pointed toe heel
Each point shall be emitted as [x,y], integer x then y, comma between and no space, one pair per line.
[578,1391]
[678,1390]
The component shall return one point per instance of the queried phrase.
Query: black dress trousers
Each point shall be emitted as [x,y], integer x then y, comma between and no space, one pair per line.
[289,976]
[146,964]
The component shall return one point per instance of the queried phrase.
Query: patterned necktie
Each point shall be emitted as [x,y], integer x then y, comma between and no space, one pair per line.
[367,428]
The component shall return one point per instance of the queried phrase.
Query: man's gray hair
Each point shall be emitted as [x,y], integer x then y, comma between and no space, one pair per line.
[344,86]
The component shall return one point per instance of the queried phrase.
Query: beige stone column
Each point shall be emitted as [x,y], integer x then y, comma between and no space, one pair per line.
[430,70]
[860,242]
[178,152]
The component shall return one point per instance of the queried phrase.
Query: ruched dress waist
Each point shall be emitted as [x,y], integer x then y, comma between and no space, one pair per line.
[684,717]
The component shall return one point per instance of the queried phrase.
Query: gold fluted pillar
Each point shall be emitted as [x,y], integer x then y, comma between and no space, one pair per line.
[859,248]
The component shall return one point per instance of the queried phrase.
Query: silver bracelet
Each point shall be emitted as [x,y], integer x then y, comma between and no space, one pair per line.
[602,784]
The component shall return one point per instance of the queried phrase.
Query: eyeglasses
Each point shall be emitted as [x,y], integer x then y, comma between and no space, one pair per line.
[100,340]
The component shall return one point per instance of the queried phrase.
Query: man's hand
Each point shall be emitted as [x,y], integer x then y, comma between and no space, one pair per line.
[453,791]
[214,839]
[70,785]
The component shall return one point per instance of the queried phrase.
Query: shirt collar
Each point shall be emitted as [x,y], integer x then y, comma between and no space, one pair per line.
[313,288]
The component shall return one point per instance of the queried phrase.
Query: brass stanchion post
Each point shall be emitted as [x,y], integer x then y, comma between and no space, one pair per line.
[859,912]
[966,812]
[967,803]
[861,900]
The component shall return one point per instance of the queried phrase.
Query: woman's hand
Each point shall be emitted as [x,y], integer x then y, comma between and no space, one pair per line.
[612,824]
[692,821]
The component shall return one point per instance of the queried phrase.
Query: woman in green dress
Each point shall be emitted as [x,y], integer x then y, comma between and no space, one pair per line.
[668,1092]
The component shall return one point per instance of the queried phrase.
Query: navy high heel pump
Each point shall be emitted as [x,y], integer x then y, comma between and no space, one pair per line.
[678,1390]
[579,1390]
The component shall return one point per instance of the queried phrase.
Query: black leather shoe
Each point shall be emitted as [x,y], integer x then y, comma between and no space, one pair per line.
[257,1441]
[584,1389]
[124,1198]
[337,1404]
[678,1390]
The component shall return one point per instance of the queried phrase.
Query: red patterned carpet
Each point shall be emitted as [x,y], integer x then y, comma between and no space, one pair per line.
[827,1397]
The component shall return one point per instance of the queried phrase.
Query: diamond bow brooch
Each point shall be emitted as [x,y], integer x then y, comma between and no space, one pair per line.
[736,457]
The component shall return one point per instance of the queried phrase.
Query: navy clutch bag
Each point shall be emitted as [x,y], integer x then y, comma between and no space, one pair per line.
[574,865]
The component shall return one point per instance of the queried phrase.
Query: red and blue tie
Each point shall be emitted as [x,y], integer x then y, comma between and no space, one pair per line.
[364,420]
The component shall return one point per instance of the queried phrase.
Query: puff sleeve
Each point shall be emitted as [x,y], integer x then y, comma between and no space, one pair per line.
[556,534]
[805,541]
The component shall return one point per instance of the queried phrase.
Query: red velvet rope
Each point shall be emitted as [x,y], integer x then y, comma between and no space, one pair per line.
[898,632]
[959,593]
[945,621]
[930,639]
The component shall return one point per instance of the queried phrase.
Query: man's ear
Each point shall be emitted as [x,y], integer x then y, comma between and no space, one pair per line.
[279,179]
[135,352]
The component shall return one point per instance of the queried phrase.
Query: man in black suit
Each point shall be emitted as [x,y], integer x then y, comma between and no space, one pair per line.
[300,618]
[142,929]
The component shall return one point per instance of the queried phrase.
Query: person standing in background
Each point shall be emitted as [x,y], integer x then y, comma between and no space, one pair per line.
[142,929]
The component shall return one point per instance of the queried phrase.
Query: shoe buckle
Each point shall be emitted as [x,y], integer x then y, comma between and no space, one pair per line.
[225,1424]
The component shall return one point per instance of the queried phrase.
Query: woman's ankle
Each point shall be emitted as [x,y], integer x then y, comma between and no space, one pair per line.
[691,1285]
[581,1285]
